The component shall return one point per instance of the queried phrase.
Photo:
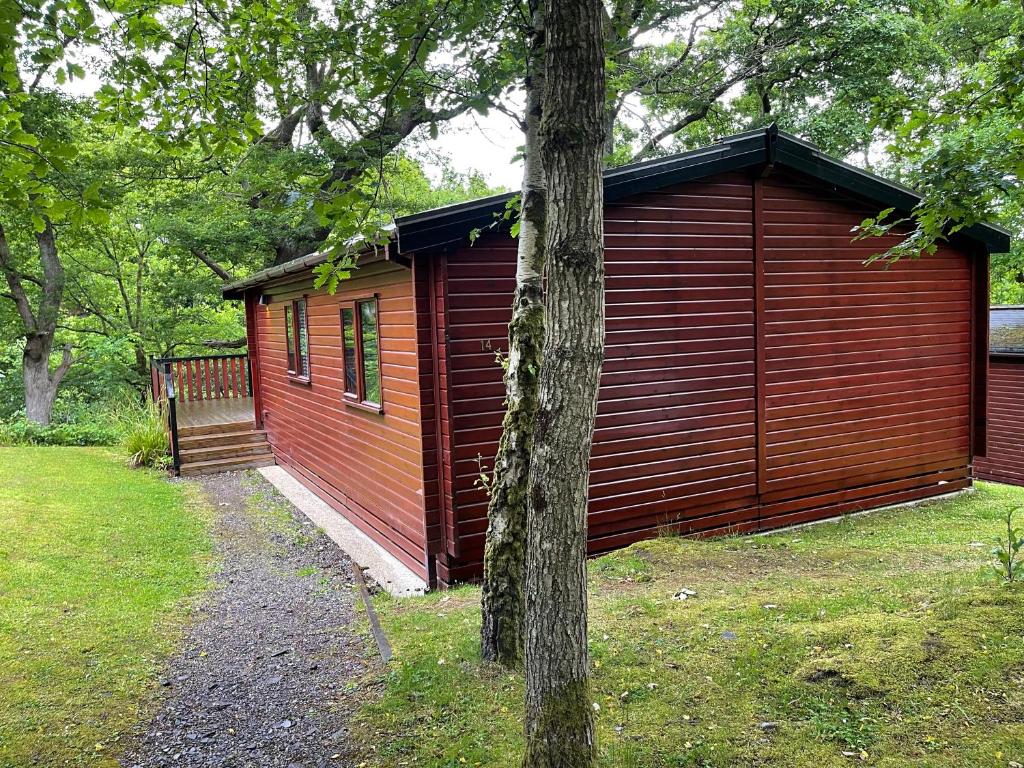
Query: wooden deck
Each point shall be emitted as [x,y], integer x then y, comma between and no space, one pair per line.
[205,413]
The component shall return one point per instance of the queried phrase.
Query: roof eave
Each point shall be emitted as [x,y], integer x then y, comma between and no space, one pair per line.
[238,288]
[809,160]
[767,146]
[447,226]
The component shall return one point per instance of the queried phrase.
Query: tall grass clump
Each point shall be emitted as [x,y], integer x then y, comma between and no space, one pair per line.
[143,433]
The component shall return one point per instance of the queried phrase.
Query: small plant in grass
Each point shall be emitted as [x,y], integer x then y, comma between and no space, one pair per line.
[1007,553]
[483,479]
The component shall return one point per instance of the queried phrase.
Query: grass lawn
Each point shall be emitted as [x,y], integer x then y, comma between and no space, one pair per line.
[880,640]
[96,564]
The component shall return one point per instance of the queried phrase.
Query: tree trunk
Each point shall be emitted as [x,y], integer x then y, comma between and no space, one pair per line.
[142,367]
[41,385]
[559,719]
[40,324]
[501,632]
[611,115]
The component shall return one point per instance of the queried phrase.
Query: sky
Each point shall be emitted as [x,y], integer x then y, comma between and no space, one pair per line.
[487,144]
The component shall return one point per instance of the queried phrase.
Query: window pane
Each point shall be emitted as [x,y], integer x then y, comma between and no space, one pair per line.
[300,315]
[348,331]
[289,336]
[371,351]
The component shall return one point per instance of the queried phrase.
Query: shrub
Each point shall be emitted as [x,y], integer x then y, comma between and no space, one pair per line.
[137,428]
[20,431]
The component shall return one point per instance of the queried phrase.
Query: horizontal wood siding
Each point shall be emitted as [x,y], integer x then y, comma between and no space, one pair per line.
[368,465]
[1004,462]
[675,433]
[867,368]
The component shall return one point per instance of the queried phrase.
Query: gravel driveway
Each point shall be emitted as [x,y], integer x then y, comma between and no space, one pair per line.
[270,671]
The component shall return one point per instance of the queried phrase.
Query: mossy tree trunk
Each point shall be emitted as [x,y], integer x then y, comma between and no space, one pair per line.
[501,632]
[559,719]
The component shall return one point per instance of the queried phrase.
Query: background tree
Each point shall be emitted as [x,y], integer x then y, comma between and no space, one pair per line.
[682,73]
[559,719]
[341,85]
[42,195]
[959,137]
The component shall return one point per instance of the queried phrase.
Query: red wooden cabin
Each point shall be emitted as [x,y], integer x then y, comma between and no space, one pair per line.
[1004,461]
[757,374]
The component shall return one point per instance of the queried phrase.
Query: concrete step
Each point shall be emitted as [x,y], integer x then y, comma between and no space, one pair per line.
[227,465]
[243,437]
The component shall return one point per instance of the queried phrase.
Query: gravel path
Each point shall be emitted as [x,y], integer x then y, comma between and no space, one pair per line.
[269,672]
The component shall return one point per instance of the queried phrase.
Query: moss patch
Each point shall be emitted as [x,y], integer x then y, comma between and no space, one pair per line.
[880,640]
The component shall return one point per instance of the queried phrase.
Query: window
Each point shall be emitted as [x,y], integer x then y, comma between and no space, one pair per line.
[348,327]
[302,331]
[296,334]
[369,351]
[289,336]
[361,353]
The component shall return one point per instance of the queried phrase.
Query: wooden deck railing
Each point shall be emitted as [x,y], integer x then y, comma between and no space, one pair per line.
[212,377]
[180,380]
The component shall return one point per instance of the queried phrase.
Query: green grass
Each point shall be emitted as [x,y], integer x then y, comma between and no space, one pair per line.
[881,640]
[97,563]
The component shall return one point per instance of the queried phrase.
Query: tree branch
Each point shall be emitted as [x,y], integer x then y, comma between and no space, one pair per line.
[218,270]
[226,343]
[66,362]
[13,278]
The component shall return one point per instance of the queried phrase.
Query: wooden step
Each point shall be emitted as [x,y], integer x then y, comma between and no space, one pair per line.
[216,429]
[244,437]
[227,465]
[193,455]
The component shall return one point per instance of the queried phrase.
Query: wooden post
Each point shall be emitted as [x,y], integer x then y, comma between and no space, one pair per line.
[172,418]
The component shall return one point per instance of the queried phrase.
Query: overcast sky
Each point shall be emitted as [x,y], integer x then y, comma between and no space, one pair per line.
[485,144]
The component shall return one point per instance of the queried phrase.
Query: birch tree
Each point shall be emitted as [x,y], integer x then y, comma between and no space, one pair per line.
[559,720]
[501,633]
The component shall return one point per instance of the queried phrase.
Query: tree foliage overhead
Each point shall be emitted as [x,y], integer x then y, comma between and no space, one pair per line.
[340,86]
[685,72]
[960,135]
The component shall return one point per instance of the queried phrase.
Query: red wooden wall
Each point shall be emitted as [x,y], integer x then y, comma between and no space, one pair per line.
[867,369]
[717,291]
[1004,462]
[369,465]
[756,375]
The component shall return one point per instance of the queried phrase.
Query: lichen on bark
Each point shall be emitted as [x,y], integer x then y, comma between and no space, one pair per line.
[503,608]
[554,741]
